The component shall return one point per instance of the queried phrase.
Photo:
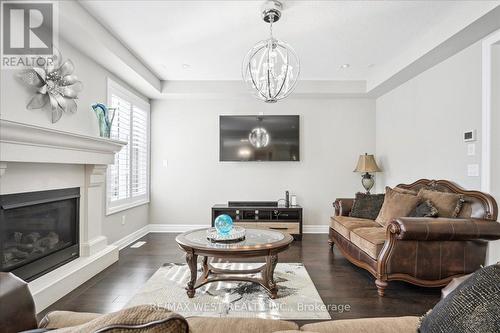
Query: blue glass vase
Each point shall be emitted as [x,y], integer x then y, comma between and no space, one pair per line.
[223,224]
[104,118]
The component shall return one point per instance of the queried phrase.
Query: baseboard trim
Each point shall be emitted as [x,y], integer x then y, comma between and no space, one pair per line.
[315,229]
[177,228]
[129,239]
[174,228]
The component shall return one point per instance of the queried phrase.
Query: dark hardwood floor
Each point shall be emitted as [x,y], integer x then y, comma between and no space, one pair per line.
[338,281]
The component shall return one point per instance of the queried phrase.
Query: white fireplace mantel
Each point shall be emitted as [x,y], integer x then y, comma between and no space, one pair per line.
[34,144]
[24,143]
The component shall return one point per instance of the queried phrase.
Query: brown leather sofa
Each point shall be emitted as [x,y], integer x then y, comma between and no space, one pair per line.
[427,252]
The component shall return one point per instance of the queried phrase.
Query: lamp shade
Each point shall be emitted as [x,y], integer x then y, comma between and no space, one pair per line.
[366,163]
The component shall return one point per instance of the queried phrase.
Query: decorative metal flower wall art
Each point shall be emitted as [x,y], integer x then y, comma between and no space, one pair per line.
[56,86]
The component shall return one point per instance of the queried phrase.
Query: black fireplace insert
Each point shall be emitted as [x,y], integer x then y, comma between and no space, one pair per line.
[39,231]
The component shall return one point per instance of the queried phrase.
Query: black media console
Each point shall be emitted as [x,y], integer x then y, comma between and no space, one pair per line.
[263,215]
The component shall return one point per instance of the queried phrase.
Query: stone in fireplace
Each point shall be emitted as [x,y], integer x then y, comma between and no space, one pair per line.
[38,231]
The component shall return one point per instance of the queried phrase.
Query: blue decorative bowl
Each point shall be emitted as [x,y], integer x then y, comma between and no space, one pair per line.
[223,224]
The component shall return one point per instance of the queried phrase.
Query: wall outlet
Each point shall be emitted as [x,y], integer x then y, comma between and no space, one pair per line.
[124,218]
[473,170]
[164,163]
[471,149]
[470,135]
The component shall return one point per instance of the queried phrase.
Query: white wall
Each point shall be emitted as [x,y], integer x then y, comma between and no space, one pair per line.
[185,133]
[495,119]
[494,250]
[420,124]
[13,99]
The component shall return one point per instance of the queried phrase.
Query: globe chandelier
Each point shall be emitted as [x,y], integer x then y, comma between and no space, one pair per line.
[271,68]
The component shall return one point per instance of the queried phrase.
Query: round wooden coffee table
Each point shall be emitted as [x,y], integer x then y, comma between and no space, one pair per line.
[257,243]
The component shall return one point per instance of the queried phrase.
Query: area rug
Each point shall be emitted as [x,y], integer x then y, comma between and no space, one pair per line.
[297,296]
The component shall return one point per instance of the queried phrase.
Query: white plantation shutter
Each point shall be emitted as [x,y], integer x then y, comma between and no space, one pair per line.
[139,152]
[128,177]
[119,172]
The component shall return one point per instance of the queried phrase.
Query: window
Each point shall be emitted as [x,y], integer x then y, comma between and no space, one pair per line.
[128,178]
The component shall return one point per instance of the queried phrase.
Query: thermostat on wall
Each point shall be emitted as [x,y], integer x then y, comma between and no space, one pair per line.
[470,136]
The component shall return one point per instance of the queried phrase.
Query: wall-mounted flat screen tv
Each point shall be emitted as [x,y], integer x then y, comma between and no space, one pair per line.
[259,138]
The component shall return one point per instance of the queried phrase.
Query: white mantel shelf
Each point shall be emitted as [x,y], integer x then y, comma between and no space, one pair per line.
[34,144]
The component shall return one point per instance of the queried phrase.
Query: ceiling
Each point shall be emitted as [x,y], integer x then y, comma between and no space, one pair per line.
[207,40]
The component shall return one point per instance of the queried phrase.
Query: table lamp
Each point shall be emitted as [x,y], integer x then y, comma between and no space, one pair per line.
[367,164]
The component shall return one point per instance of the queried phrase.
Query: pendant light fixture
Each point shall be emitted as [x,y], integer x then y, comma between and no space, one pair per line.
[271,68]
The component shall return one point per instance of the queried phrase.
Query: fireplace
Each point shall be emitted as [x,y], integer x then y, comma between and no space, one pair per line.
[38,231]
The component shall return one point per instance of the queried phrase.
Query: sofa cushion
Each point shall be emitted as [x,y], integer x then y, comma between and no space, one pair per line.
[447,204]
[366,325]
[405,190]
[367,206]
[395,205]
[424,209]
[344,224]
[142,318]
[232,325]
[370,240]
[472,307]
[60,319]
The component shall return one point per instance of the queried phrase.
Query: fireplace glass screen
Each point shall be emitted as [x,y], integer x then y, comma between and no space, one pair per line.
[38,231]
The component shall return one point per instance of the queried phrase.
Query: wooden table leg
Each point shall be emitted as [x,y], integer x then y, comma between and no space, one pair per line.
[192,260]
[271,262]
[206,269]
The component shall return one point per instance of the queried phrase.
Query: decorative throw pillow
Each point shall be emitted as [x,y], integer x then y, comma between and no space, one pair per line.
[367,206]
[447,204]
[142,318]
[405,190]
[424,209]
[474,306]
[396,205]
